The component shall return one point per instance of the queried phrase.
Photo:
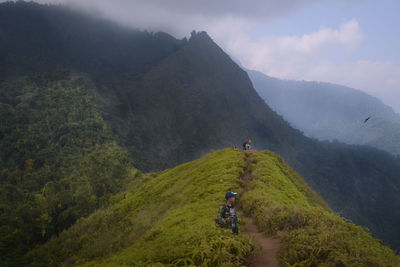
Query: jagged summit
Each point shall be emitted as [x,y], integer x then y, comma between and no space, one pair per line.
[200,35]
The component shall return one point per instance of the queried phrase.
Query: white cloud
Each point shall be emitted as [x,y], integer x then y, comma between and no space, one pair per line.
[323,55]
[180,17]
[291,56]
[142,9]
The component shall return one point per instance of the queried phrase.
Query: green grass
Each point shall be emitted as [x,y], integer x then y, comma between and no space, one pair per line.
[311,235]
[166,218]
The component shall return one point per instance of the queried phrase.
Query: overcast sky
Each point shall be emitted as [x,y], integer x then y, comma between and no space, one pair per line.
[353,43]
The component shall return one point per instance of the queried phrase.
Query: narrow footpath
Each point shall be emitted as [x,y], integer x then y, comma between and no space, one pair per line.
[267,247]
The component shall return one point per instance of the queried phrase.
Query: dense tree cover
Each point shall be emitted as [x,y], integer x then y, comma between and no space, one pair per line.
[58,160]
[360,183]
[329,111]
[38,38]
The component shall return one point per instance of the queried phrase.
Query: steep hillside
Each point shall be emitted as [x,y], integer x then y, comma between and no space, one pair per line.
[193,100]
[168,218]
[311,235]
[328,111]
[58,160]
[41,38]
[169,101]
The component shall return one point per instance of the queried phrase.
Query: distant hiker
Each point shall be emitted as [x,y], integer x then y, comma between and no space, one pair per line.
[227,215]
[245,145]
[235,148]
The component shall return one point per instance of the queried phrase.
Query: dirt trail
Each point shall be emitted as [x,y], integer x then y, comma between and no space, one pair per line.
[267,247]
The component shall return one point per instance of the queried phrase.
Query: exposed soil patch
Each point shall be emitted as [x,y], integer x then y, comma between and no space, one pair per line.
[267,247]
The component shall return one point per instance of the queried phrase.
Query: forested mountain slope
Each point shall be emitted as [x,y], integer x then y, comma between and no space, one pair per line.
[329,111]
[58,160]
[41,38]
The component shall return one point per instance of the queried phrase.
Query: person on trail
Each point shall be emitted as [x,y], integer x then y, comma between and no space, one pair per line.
[227,215]
[245,144]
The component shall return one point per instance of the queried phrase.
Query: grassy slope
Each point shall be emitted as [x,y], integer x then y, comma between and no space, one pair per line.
[168,218]
[311,234]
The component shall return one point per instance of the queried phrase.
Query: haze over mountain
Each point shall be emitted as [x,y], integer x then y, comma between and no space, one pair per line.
[345,42]
[152,99]
[328,111]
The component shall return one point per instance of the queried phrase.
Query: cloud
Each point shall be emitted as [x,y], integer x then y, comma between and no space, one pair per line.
[324,55]
[206,8]
[180,17]
[291,56]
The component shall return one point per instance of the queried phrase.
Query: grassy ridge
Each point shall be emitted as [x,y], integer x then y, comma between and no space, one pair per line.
[166,218]
[311,235]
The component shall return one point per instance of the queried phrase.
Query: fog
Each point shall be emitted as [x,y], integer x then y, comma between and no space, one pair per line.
[179,17]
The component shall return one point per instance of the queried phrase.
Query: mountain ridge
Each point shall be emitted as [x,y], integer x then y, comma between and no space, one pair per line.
[180,205]
[328,111]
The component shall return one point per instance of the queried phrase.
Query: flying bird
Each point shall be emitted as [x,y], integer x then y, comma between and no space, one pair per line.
[367,119]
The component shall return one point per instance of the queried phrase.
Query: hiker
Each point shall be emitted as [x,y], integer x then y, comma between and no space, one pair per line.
[245,144]
[227,215]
